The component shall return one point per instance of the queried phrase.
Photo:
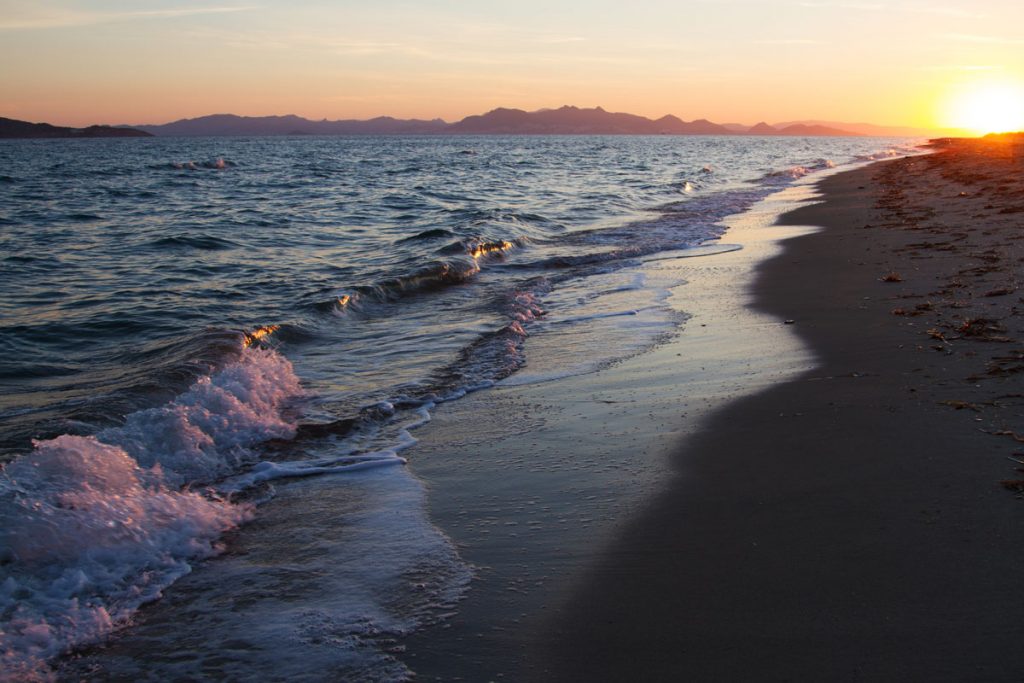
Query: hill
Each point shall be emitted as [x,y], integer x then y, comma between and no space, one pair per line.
[569,120]
[12,128]
[871,129]
[232,125]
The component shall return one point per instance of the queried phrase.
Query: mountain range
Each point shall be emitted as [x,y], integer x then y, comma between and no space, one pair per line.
[565,120]
[12,128]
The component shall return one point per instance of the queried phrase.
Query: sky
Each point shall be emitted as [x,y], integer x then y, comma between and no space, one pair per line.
[79,62]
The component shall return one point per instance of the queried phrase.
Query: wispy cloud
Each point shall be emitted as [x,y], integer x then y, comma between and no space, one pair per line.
[984,40]
[365,48]
[960,67]
[62,19]
[955,12]
[842,5]
[789,41]
[937,10]
[507,48]
[558,40]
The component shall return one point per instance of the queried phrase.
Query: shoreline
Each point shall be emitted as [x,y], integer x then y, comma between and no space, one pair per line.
[606,442]
[848,524]
[719,506]
[533,501]
[841,520]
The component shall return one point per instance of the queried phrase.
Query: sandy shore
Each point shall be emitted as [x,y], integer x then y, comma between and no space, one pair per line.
[534,481]
[849,515]
[850,524]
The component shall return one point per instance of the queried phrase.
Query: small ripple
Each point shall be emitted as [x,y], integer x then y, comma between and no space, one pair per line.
[199,241]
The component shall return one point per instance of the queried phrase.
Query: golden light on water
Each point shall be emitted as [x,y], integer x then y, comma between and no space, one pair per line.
[986,107]
[489,247]
[259,334]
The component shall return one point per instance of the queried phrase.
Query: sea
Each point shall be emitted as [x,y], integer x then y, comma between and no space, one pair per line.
[186,323]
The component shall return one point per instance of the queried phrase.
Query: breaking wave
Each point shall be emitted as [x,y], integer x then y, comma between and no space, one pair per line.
[92,527]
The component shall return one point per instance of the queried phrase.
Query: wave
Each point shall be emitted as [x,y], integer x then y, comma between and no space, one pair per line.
[792,173]
[430,277]
[199,241]
[890,152]
[46,259]
[476,247]
[217,164]
[494,355]
[83,217]
[92,527]
[434,233]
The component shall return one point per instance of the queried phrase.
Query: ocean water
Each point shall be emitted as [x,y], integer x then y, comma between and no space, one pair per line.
[185,322]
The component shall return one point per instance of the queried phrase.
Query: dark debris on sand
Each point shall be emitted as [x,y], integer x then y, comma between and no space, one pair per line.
[965,239]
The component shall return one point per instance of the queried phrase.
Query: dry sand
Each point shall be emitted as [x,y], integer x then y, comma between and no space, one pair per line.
[854,519]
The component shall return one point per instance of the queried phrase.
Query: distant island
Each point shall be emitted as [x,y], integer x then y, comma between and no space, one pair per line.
[12,128]
[565,120]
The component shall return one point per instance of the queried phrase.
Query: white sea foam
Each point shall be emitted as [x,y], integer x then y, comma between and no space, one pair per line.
[205,433]
[340,567]
[617,315]
[91,527]
[340,459]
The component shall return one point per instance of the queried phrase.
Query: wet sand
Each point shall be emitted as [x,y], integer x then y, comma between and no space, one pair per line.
[534,481]
[741,505]
[859,522]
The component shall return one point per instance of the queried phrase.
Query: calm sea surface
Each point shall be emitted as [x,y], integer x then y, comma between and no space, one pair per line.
[183,321]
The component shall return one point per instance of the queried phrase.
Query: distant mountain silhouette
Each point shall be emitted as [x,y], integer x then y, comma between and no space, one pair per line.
[12,128]
[565,120]
[230,124]
[575,121]
[873,129]
[797,129]
[762,128]
[807,130]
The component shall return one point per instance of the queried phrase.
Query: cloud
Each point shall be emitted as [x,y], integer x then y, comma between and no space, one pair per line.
[366,47]
[842,5]
[960,67]
[984,40]
[910,9]
[789,41]
[62,19]
[558,40]
[947,12]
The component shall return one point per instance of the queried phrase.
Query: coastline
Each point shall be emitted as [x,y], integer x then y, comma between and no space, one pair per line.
[607,515]
[839,518]
[533,481]
[849,524]
[601,451]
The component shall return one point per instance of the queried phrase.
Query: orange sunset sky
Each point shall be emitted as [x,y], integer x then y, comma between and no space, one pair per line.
[914,63]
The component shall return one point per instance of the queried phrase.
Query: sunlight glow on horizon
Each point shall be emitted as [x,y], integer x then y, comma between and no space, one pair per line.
[986,106]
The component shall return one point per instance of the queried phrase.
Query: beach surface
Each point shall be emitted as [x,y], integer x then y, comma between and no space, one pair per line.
[817,480]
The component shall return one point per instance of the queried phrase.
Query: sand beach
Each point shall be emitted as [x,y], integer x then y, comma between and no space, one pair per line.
[835,494]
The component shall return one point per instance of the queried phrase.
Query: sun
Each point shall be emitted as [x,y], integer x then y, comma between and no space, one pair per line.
[992,107]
